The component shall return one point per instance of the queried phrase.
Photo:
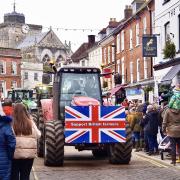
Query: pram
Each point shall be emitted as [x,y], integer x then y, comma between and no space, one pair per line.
[164,146]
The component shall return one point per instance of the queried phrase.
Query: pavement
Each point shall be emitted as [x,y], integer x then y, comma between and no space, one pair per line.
[157,158]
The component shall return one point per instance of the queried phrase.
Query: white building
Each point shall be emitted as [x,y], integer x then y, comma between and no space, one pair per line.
[31,74]
[167,25]
[95,56]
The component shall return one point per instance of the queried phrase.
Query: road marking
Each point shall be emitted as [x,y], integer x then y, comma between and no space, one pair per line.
[34,174]
[153,162]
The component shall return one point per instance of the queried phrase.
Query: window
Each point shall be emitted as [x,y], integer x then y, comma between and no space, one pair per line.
[105,55]
[167,31]
[46,59]
[131,72]
[165,1]
[145,68]
[118,43]
[138,69]
[123,74]
[153,21]
[109,54]
[179,30]
[36,76]
[122,40]
[2,67]
[14,84]
[130,39]
[113,52]
[137,34]
[2,89]
[14,68]
[59,61]
[144,25]
[118,66]
[25,75]
[83,63]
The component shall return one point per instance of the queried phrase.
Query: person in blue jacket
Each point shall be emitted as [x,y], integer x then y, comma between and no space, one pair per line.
[7,145]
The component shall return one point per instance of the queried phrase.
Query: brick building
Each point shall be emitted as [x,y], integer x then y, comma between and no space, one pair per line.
[10,69]
[122,49]
[136,71]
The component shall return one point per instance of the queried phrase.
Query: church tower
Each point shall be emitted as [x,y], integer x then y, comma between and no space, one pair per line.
[14,29]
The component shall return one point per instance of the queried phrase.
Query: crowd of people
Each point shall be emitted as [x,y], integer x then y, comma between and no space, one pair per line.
[148,120]
[18,142]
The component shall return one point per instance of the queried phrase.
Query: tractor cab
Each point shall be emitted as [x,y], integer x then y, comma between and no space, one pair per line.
[78,86]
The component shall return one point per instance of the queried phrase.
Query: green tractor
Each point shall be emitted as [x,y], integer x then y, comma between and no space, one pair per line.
[25,96]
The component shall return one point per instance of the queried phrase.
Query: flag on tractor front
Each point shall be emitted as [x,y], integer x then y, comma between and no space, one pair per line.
[94,124]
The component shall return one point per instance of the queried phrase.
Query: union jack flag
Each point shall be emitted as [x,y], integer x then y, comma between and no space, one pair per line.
[94,124]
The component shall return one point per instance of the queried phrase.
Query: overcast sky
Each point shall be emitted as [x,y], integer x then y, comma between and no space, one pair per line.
[68,14]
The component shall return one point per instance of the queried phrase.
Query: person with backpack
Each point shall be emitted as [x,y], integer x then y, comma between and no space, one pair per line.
[26,142]
[171,123]
[7,145]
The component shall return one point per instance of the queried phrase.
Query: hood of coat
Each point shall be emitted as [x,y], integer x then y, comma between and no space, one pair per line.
[4,120]
[175,111]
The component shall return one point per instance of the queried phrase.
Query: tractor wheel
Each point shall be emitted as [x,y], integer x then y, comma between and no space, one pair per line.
[100,153]
[40,143]
[120,153]
[54,144]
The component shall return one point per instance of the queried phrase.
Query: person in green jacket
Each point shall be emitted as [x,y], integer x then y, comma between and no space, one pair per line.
[174,102]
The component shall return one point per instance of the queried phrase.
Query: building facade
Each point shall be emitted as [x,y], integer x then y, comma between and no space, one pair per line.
[10,70]
[167,27]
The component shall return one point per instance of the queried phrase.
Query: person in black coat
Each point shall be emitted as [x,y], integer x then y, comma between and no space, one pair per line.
[151,128]
[7,145]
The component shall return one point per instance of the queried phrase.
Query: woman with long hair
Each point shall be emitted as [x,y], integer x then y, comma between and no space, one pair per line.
[26,143]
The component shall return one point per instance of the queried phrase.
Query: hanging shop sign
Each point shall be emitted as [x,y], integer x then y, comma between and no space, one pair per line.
[149,46]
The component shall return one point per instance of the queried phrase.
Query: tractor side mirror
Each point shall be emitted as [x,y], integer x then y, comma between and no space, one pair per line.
[46,78]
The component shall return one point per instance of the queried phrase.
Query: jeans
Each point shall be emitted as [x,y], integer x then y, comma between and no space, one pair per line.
[21,169]
[153,144]
[174,141]
[136,136]
[146,144]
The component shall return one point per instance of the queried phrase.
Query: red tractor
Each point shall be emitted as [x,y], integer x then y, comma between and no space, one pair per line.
[76,117]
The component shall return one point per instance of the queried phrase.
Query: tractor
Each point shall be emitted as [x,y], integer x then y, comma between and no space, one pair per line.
[18,95]
[75,116]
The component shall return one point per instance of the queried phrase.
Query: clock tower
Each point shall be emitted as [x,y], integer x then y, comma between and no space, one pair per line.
[14,29]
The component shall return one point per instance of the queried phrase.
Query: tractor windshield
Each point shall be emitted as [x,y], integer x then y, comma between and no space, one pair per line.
[79,84]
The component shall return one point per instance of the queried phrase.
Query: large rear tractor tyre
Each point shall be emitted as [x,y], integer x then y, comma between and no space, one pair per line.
[40,143]
[120,153]
[54,144]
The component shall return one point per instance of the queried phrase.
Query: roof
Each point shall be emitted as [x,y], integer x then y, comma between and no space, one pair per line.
[32,40]
[171,74]
[82,52]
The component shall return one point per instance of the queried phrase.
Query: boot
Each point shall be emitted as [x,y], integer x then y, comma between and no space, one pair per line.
[178,160]
[173,160]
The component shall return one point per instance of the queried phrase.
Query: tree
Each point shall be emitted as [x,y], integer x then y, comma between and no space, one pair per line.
[169,50]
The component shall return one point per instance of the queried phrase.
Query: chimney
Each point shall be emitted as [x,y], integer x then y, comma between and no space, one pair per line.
[128,12]
[91,39]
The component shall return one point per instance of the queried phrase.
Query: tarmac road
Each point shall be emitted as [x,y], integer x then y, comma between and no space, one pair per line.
[82,165]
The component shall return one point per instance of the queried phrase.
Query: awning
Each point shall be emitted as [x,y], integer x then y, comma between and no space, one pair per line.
[114,90]
[171,74]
